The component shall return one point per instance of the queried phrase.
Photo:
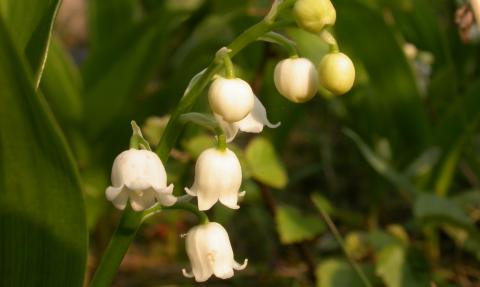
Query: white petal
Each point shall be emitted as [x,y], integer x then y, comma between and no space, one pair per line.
[142,200]
[238,266]
[164,195]
[138,170]
[230,199]
[206,200]
[222,270]
[242,194]
[191,191]
[230,129]
[254,122]
[197,253]
[187,274]
[220,253]
[112,192]
[120,201]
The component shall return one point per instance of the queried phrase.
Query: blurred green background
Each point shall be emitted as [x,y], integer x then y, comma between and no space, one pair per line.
[395,162]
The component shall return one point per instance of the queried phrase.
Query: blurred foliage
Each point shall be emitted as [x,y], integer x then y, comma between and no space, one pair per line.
[395,162]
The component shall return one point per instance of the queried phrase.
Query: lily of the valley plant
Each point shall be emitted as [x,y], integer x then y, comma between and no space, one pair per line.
[139,180]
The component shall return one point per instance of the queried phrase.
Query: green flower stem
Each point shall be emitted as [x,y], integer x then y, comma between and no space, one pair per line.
[202,120]
[281,40]
[330,40]
[340,241]
[221,141]
[179,205]
[137,141]
[131,221]
[208,122]
[118,246]
[201,216]
[227,62]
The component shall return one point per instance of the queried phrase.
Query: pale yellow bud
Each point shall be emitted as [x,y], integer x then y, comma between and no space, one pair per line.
[314,15]
[336,73]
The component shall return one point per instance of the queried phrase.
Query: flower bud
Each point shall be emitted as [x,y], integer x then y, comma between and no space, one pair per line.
[232,99]
[210,252]
[336,73]
[296,79]
[139,175]
[314,15]
[218,176]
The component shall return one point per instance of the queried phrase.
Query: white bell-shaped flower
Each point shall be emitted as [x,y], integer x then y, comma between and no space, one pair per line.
[218,176]
[210,252]
[252,123]
[296,79]
[232,99]
[139,175]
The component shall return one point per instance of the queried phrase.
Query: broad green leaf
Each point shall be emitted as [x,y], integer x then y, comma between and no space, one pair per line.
[401,182]
[336,273]
[390,105]
[264,163]
[107,19]
[30,24]
[293,226]
[42,218]
[94,183]
[62,85]
[119,71]
[434,209]
[399,266]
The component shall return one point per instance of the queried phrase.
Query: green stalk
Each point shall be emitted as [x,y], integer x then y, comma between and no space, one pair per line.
[228,65]
[201,216]
[221,142]
[326,36]
[283,41]
[182,204]
[118,246]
